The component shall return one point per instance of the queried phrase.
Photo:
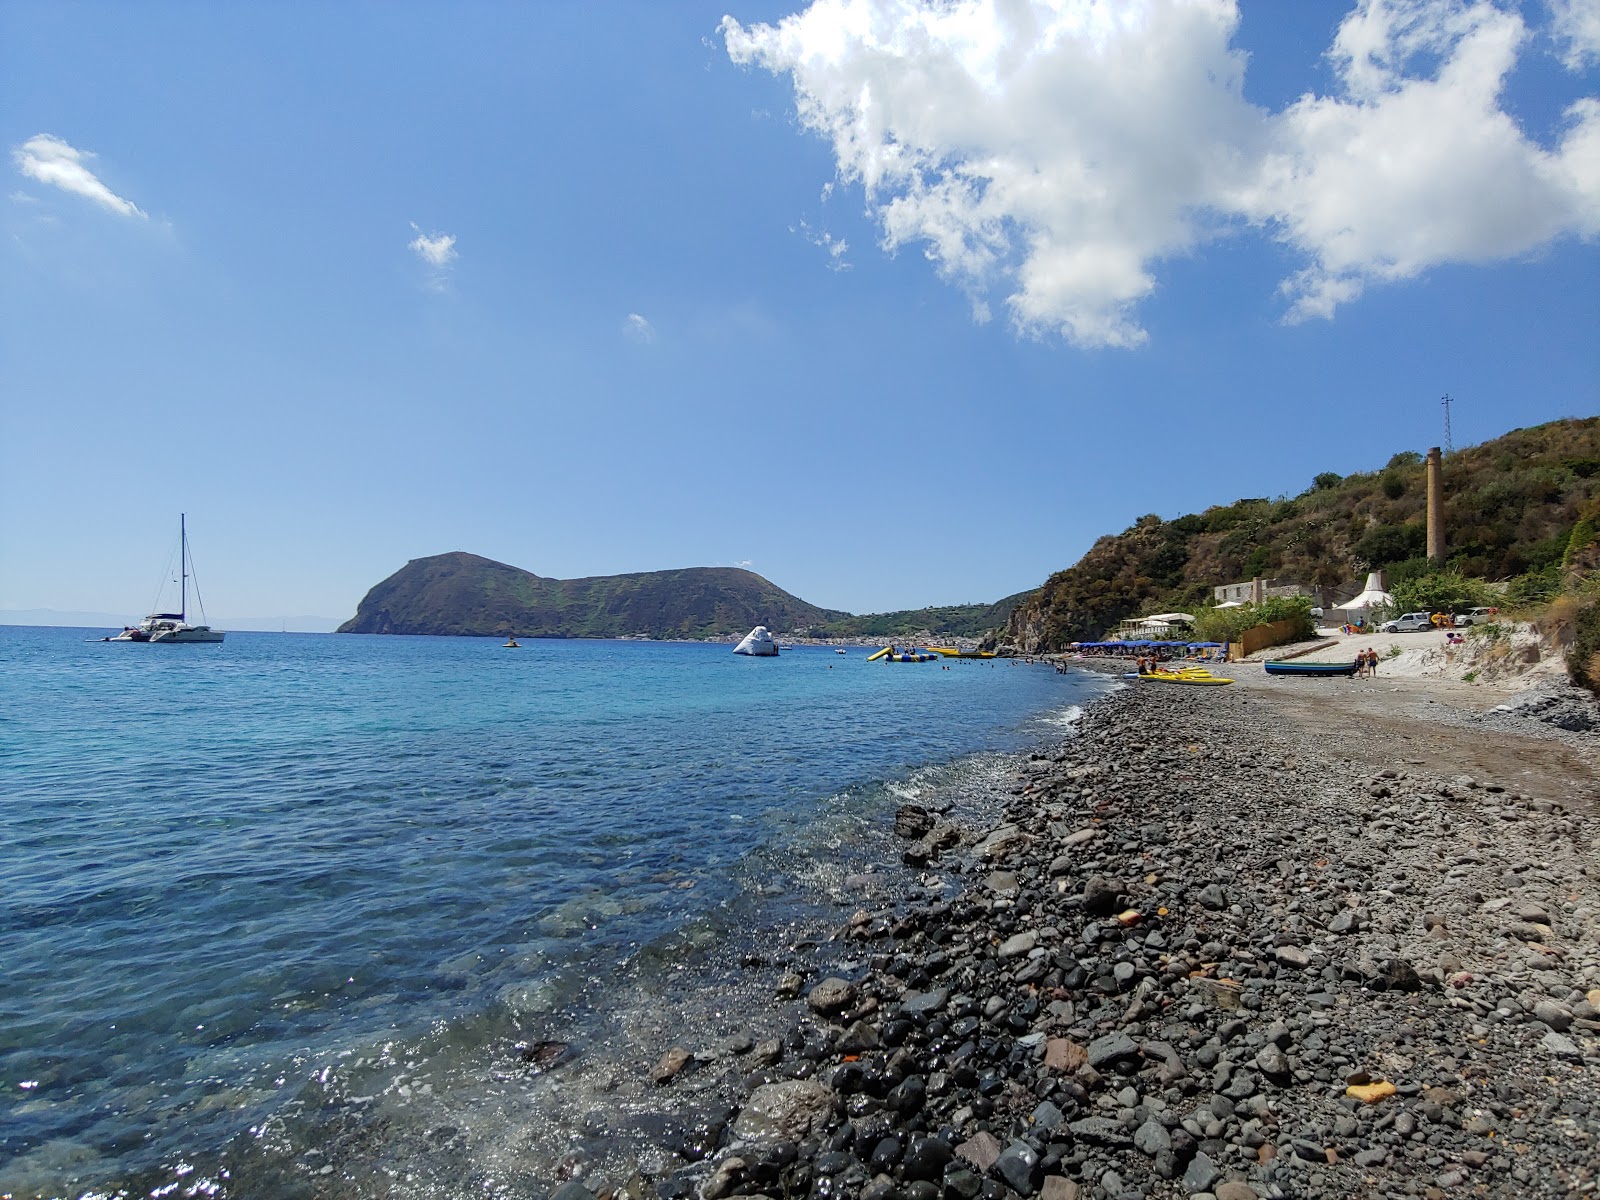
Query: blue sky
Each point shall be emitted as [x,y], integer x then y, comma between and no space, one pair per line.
[894,307]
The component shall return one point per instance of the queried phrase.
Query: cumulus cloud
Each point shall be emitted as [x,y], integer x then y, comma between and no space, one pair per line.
[638,328]
[49,159]
[1575,25]
[1057,151]
[438,251]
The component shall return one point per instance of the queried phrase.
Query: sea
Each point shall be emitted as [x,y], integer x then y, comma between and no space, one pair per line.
[311,916]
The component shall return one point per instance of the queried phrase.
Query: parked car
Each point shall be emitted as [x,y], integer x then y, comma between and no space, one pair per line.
[1475,616]
[1413,622]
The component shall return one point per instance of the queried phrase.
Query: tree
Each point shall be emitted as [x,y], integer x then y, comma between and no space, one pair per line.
[1440,591]
[1327,480]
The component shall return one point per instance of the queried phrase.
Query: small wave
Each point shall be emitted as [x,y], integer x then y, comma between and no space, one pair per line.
[1066,718]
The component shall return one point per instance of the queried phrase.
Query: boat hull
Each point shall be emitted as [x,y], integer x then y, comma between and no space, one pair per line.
[193,635]
[1315,669]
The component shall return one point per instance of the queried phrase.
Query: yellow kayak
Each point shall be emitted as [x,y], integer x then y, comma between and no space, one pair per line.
[1198,678]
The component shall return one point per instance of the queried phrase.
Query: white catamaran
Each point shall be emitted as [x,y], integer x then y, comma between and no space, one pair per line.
[169,629]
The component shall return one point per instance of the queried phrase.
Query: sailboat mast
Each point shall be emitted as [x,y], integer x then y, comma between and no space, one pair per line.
[183,567]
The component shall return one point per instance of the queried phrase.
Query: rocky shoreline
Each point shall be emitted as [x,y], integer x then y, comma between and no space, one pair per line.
[1201,954]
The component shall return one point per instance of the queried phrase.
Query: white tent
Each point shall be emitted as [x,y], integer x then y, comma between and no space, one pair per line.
[1372,596]
[757,642]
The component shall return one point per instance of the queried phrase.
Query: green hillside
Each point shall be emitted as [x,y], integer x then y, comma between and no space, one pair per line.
[956,620]
[462,593]
[1510,507]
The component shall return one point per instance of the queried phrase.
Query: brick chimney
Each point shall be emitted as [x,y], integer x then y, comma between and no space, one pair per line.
[1435,508]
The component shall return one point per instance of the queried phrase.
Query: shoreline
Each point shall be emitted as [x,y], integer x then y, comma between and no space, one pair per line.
[1308,923]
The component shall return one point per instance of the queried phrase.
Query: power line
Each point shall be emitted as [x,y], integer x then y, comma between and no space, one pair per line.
[1449,448]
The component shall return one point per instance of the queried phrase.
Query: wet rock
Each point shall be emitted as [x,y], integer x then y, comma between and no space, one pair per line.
[728,1175]
[981,1150]
[1001,842]
[1018,1166]
[908,1096]
[831,996]
[960,1183]
[927,1159]
[912,821]
[670,1065]
[789,1111]
[886,1153]
[921,1004]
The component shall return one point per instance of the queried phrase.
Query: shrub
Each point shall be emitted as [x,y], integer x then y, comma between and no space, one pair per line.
[1227,624]
[1583,660]
[1406,458]
[1440,591]
[1582,545]
[1385,544]
[1534,587]
[1393,485]
[1327,480]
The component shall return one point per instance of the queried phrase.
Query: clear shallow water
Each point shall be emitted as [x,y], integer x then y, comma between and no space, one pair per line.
[249,888]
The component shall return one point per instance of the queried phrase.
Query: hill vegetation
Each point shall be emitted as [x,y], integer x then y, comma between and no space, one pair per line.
[461,593]
[1515,509]
[955,620]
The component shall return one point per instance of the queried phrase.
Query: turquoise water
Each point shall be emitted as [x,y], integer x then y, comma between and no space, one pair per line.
[249,886]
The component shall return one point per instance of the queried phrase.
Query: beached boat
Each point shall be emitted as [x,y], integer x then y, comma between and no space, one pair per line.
[171,629]
[1310,668]
[1194,676]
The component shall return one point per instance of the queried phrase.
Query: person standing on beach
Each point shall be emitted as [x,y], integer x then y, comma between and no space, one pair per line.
[1372,663]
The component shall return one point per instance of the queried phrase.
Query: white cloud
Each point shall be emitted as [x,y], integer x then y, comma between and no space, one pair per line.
[49,159]
[438,251]
[1575,24]
[1057,151]
[638,328]
[834,248]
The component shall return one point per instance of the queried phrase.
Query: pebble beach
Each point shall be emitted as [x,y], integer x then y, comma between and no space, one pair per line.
[1222,942]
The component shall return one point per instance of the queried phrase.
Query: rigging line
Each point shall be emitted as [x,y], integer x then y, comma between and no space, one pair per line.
[195,579]
[166,578]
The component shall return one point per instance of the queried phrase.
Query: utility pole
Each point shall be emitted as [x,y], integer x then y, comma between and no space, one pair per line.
[1449,448]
